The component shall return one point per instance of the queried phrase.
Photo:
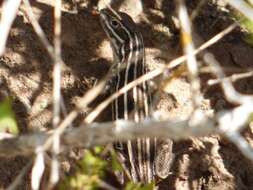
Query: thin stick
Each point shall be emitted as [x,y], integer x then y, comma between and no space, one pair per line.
[243,7]
[188,47]
[28,12]
[196,11]
[233,121]
[231,94]
[232,78]
[20,176]
[54,175]
[8,14]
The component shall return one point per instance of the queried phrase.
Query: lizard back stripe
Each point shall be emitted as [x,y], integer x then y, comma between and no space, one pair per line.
[128,47]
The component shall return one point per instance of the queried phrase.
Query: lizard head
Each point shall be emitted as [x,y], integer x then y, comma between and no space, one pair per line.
[122,33]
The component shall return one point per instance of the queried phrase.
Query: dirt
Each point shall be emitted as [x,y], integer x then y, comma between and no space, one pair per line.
[26,75]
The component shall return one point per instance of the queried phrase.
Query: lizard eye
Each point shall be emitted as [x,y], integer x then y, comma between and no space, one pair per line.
[114,23]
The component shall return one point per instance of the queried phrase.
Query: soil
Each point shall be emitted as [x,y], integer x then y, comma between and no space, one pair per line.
[26,75]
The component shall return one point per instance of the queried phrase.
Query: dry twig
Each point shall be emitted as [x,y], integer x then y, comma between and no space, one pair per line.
[8,14]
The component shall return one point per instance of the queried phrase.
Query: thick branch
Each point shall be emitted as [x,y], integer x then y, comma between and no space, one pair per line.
[100,134]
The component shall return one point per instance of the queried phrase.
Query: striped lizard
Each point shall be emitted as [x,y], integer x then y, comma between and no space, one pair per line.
[144,159]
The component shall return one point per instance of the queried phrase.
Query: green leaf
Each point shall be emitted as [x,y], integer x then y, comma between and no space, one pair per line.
[82,181]
[245,23]
[149,186]
[91,170]
[248,25]
[139,186]
[250,119]
[116,166]
[7,117]
[132,186]
[92,164]
[98,149]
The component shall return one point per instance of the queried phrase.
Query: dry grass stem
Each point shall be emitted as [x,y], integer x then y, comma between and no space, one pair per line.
[8,14]
[232,78]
